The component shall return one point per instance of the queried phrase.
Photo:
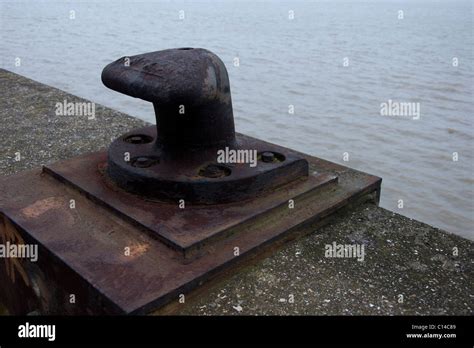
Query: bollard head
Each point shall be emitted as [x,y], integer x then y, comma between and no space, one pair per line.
[190,91]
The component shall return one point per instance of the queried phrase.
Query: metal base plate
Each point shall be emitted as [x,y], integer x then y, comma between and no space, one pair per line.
[185,228]
[119,253]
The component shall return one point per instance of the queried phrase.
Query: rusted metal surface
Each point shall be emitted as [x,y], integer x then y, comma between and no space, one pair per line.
[145,230]
[82,249]
[189,89]
[187,228]
[175,160]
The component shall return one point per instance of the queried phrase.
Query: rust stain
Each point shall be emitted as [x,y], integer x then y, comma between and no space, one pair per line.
[8,233]
[42,206]
[137,250]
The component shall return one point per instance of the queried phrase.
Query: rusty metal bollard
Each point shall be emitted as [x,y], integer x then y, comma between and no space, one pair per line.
[190,92]
[159,214]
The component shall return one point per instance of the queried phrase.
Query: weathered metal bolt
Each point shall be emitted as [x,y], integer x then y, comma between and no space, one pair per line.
[144,162]
[136,139]
[268,157]
[214,171]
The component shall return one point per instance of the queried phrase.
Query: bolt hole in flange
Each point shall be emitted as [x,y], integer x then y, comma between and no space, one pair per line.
[138,139]
[144,162]
[270,157]
[214,171]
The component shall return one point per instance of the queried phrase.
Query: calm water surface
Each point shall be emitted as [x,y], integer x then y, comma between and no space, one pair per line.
[297,62]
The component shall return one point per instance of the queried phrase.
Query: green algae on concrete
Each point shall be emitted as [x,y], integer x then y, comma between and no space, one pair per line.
[409,267]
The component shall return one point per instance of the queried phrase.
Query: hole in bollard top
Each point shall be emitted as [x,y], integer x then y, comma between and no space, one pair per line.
[138,139]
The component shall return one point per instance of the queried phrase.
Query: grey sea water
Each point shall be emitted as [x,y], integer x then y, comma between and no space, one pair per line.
[335,62]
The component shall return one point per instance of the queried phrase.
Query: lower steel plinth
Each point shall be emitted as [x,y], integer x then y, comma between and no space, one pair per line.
[121,254]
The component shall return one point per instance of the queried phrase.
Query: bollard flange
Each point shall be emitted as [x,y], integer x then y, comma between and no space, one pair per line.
[196,176]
